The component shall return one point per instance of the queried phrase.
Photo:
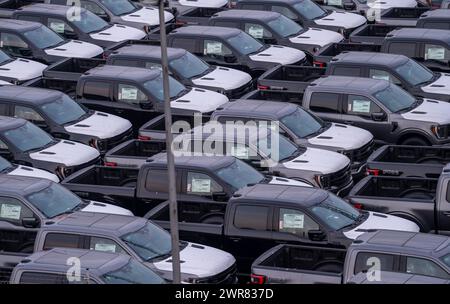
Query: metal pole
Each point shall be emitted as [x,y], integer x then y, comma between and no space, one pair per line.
[170,156]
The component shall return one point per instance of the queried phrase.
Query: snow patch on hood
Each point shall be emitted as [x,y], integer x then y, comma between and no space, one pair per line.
[440,86]
[317,36]
[385,4]
[319,160]
[117,33]
[204,3]
[430,111]
[279,54]
[288,182]
[225,78]
[106,208]
[147,15]
[75,49]
[33,172]
[342,137]
[342,19]
[22,69]
[200,100]
[66,152]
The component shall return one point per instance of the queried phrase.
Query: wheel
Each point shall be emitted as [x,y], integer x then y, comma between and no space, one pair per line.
[415,141]
[329,267]
[213,220]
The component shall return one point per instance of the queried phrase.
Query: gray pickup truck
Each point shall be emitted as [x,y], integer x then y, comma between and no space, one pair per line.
[425,201]
[408,258]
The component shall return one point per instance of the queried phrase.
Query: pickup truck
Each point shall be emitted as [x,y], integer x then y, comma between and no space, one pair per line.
[7,168]
[129,92]
[408,121]
[402,16]
[19,70]
[421,200]
[408,161]
[435,19]
[260,216]
[419,261]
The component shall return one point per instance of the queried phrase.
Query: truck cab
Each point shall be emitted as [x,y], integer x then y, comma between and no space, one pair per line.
[435,19]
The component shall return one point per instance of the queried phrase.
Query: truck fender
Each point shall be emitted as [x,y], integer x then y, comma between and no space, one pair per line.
[412,218]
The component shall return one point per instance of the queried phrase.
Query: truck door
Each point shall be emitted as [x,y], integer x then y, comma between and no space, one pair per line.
[443,207]
[326,105]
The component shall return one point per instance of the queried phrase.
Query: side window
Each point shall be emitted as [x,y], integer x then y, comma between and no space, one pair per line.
[284,11]
[257,31]
[225,23]
[188,44]
[336,3]
[215,49]
[4,109]
[295,222]
[345,71]
[425,267]
[380,74]
[403,48]
[251,217]
[97,90]
[93,7]
[29,277]
[158,181]
[130,94]
[13,44]
[258,7]
[28,114]
[436,52]
[437,25]
[126,62]
[63,240]
[199,183]
[105,245]
[364,261]
[59,26]
[30,18]
[361,106]
[13,211]
[325,102]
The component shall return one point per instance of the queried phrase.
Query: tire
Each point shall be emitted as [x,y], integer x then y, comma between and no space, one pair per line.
[415,141]
[330,267]
[213,220]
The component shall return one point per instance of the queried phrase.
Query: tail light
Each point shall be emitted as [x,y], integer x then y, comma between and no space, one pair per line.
[257,279]
[143,137]
[358,206]
[180,23]
[263,87]
[110,164]
[375,172]
[319,64]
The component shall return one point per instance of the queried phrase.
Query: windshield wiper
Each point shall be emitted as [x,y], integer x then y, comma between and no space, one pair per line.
[410,107]
[295,154]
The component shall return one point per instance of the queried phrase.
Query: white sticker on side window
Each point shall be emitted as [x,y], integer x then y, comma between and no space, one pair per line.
[105,247]
[9,211]
[256,31]
[239,152]
[382,77]
[436,53]
[201,185]
[334,2]
[361,106]
[293,221]
[57,27]
[214,48]
[128,93]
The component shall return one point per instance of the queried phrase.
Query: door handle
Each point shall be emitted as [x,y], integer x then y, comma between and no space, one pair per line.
[119,111]
[447,213]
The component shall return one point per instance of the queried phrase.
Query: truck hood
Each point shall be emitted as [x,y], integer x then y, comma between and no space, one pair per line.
[33,172]
[106,208]
[117,33]
[430,111]
[203,3]
[225,78]
[385,4]
[342,137]
[318,160]
[75,49]
[317,36]
[22,69]
[342,19]
[288,182]
[382,221]
[66,152]
[147,15]
[279,54]
[200,100]
[440,86]
[199,261]
[100,125]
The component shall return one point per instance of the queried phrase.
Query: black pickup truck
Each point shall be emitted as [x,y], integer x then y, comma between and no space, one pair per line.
[424,201]
[408,161]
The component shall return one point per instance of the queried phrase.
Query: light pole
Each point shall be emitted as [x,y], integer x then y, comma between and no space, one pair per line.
[170,157]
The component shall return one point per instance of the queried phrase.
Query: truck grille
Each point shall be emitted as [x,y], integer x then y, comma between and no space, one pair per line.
[361,154]
[114,141]
[341,178]
[225,277]
[242,90]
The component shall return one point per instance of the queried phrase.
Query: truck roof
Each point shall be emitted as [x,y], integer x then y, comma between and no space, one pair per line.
[96,223]
[206,31]
[56,259]
[21,185]
[370,58]
[122,73]
[246,15]
[252,108]
[147,51]
[29,95]
[208,162]
[7,123]
[405,242]
[441,13]
[280,194]
[350,84]
[18,25]
[48,9]
[416,34]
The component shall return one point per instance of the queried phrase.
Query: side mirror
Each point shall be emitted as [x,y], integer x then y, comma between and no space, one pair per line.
[220,196]
[349,6]
[229,58]
[378,116]
[316,235]
[30,222]
[104,17]
[270,41]
[71,35]
[26,52]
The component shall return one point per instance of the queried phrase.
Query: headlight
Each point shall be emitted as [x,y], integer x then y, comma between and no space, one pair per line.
[62,172]
[98,144]
[440,131]
[322,180]
[147,29]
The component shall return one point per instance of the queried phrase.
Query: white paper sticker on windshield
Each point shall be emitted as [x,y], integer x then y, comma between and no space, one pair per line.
[293,220]
[214,48]
[12,212]
[361,106]
[239,152]
[382,77]
[334,2]
[128,93]
[105,247]
[57,27]
[256,31]
[201,185]
[436,53]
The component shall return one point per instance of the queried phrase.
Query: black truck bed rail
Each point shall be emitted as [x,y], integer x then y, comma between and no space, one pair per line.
[371,33]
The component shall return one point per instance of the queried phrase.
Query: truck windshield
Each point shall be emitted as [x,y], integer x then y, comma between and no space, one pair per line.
[90,23]
[119,7]
[245,44]
[150,242]
[189,66]
[28,137]
[64,110]
[446,259]
[4,58]
[284,26]
[302,123]
[43,37]
[239,174]
[132,273]
[284,148]
[309,10]
[414,73]
[54,200]
[4,165]
[335,212]
[395,99]
[155,88]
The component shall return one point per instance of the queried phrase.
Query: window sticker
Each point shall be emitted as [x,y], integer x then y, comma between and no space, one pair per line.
[240,152]
[292,221]
[361,106]
[436,53]
[57,27]
[256,31]
[201,185]
[105,247]
[128,93]
[214,48]
[334,2]
[9,211]
[382,77]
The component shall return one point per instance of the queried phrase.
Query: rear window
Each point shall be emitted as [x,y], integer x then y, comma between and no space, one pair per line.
[62,240]
[251,217]
[346,71]
[158,181]
[188,44]
[325,102]
[97,90]
[29,277]
[366,260]
[403,48]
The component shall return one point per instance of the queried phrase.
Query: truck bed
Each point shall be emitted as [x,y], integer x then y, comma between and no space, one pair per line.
[134,153]
[70,69]
[197,15]
[409,161]
[326,53]
[275,95]
[371,33]
[68,87]
[402,16]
